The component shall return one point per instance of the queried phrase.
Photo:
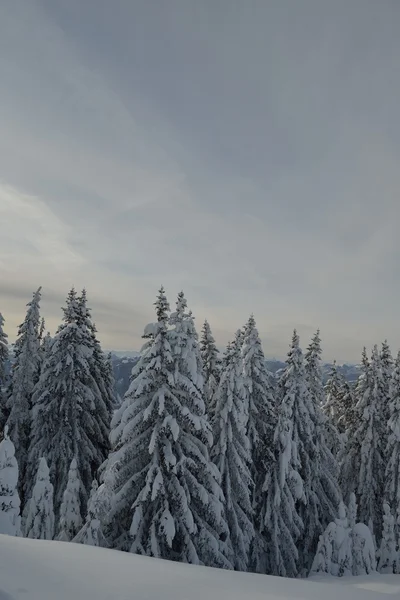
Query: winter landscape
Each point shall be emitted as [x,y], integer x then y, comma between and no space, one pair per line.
[208,460]
[199,300]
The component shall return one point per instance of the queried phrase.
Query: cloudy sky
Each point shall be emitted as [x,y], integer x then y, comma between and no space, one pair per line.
[246,151]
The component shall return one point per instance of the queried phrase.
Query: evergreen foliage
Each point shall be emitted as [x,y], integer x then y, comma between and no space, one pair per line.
[39,523]
[231,454]
[282,522]
[24,377]
[370,433]
[67,420]
[211,368]
[10,520]
[388,555]
[261,426]
[167,501]
[4,356]
[70,512]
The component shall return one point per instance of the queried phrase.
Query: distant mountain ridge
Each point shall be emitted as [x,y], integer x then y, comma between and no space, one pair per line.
[123,363]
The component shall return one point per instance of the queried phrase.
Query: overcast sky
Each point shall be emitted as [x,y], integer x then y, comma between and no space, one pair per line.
[245,151]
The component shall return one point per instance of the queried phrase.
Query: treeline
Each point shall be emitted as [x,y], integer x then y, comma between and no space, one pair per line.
[209,460]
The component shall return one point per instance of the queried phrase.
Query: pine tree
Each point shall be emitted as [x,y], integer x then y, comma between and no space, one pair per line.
[70,512]
[3,373]
[392,453]
[294,390]
[322,488]
[24,377]
[39,523]
[364,561]
[370,433]
[282,522]
[347,420]
[211,368]
[387,554]
[332,408]
[260,430]
[66,419]
[102,382]
[386,362]
[10,520]
[350,456]
[231,453]
[166,499]
[334,554]
[91,533]
[345,548]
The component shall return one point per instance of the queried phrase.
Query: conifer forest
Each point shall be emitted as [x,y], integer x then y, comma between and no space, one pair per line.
[209,459]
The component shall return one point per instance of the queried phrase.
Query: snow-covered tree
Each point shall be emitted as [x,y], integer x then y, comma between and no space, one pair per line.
[70,512]
[231,453]
[24,377]
[370,432]
[3,373]
[91,533]
[345,549]
[39,523]
[334,554]
[166,497]
[364,552]
[66,421]
[347,419]
[282,523]
[350,455]
[211,368]
[392,453]
[10,520]
[322,488]
[261,426]
[102,381]
[332,408]
[388,555]
[387,365]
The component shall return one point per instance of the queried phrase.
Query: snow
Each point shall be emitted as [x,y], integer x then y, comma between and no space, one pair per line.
[43,570]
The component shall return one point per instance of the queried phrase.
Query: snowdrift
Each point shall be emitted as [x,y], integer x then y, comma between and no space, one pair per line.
[39,570]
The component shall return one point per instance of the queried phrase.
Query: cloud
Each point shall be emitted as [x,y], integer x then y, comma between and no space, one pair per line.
[246,155]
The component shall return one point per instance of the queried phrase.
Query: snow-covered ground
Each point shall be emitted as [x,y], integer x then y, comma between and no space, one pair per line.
[38,570]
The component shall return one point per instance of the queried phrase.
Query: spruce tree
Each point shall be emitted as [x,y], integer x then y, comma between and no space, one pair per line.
[388,553]
[91,533]
[102,382]
[70,512]
[350,455]
[297,397]
[10,520]
[282,523]
[392,452]
[370,432]
[323,488]
[211,368]
[24,377]
[66,418]
[166,500]
[4,357]
[332,408]
[39,523]
[232,455]
[334,554]
[387,365]
[260,430]
[347,419]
